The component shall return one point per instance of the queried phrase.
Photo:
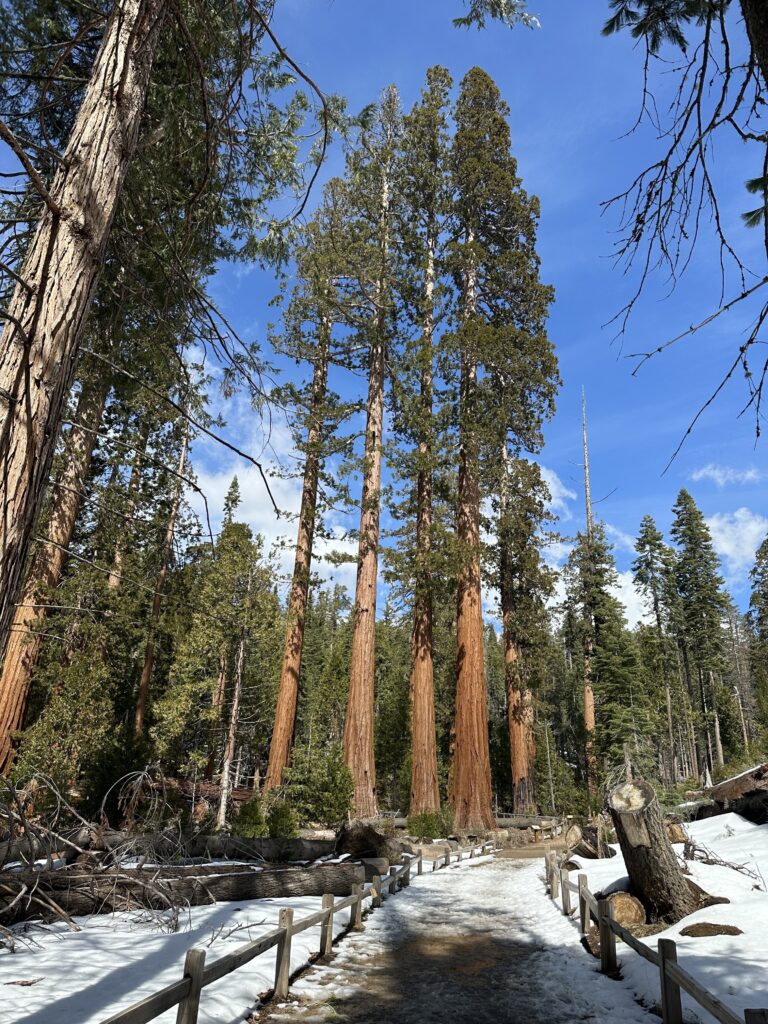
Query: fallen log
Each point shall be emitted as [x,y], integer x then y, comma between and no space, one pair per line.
[361,841]
[626,909]
[652,866]
[71,891]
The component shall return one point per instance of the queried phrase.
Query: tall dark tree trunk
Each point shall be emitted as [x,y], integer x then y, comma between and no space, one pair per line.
[288,689]
[425,792]
[46,317]
[48,561]
[358,725]
[145,682]
[756,20]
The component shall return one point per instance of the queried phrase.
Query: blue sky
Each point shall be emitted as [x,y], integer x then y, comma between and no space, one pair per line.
[573,96]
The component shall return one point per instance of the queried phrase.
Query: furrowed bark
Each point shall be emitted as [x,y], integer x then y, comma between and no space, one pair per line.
[48,561]
[358,726]
[471,778]
[359,751]
[756,21]
[145,682]
[425,792]
[288,690]
[47,314]
[471,767]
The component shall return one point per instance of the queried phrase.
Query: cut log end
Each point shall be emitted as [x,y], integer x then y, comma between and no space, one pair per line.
[631,797]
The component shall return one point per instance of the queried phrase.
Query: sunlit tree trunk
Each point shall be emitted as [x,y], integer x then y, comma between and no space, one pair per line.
[288,689]
[46,317]
[145,682]
[218,705]
[471,768]
[45,569]
[358,726]
[425,792]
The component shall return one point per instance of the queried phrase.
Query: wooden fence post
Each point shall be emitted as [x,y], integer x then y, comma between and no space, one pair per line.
[376,898]
[392,881]
[471,852]
[671,1005]
[756,1017]
[356,910]
[283,964]
[565,891]
[420,863]
[194,963]
[607,938]
[326,928]
[554,889]
[447,855]
[407,873]
[436,864]
[584,914]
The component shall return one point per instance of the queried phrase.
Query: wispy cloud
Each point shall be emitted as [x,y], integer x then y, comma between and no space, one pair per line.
[560,494]
[736,537]
[722,476]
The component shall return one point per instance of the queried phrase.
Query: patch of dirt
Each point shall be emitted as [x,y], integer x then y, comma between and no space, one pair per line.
[704,928]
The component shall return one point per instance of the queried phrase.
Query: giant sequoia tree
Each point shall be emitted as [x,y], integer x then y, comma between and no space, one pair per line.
[507,380]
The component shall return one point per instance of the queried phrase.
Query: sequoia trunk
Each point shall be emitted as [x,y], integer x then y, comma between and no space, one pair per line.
[25,640]
[288,690]
[47,314]
[425,793]
[358,726]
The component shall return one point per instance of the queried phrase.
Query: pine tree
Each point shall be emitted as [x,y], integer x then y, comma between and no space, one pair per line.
[758,622]
[525,584]
[507,379]
[702,608]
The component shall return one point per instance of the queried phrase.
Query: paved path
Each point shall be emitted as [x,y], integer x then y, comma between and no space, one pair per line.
[479,943]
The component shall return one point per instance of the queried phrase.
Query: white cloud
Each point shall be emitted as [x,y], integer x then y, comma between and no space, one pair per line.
[724,475]
[737,536]
[634,606]
[621,541]
[560,494]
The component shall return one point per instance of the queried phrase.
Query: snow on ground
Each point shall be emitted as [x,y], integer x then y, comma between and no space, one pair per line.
[732,967]
[117,959]
[479,942]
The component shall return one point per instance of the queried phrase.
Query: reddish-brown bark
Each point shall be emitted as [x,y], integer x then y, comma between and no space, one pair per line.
[47,314]
[471,767]
[288,690]
[358,725]
[425,792]
[26,636]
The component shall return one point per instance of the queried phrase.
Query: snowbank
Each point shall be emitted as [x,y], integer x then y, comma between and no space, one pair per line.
[732,967]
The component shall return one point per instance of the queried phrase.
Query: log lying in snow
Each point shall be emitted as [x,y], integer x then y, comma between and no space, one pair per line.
[584,842]
[76,892]
[651,863]
[626,909]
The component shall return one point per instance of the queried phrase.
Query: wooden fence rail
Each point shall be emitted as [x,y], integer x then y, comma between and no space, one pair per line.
[672,977]
[185,993]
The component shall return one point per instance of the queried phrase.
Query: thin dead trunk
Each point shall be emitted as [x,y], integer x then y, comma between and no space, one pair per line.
[425,792]
[145,682]
[590,757]
[26,637]
[218,704]
[229,748]
[288,690]
[471,798]
[46,317]
[756,21]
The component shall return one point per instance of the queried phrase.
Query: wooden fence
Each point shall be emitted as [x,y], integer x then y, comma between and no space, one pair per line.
[672,977]
[185,993]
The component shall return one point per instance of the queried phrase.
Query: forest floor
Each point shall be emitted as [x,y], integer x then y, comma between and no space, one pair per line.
[481,944]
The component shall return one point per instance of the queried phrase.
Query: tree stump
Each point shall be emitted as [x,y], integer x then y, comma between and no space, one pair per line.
[651,863]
